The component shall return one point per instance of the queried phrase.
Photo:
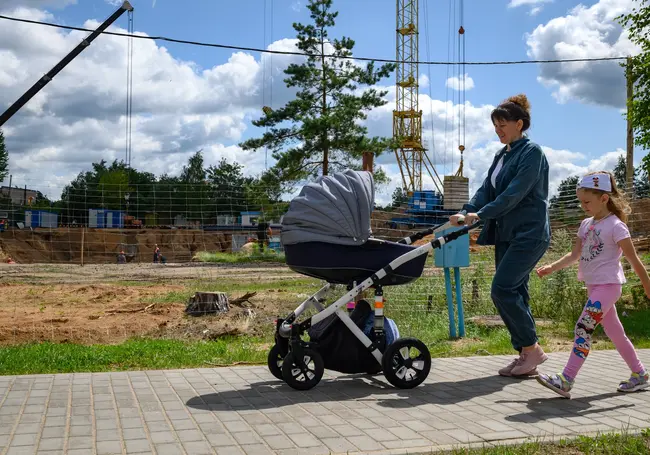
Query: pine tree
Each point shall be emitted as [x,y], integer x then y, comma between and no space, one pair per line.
[4,158]
[319,132]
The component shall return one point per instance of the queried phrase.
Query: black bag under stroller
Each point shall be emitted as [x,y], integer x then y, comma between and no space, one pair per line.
[341,350]
[326,234]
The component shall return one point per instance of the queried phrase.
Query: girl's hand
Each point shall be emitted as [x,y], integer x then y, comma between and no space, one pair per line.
[546,270]
[646,287]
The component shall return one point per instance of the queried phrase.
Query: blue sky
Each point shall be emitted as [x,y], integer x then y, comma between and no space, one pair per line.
[493,32]
[585,126]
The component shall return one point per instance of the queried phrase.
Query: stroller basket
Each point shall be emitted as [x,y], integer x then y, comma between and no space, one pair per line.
[326,235]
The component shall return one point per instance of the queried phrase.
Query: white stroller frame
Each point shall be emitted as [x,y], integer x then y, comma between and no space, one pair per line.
[288,330]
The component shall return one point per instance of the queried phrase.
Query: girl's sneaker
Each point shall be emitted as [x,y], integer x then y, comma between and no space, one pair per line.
[558,383]
[636,382]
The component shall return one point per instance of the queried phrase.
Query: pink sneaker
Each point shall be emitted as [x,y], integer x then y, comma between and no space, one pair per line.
[529,361]
[508,369]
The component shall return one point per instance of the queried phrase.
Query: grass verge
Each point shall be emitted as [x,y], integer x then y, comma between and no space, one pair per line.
[136,354]
[605,444]
[419,310]
[145,354]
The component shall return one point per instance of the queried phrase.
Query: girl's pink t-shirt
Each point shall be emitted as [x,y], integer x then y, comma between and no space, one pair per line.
[600,260]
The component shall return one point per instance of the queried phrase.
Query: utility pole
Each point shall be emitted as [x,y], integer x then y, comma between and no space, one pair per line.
[629,162]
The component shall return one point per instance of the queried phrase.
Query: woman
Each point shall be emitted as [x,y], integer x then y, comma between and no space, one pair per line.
[512,202]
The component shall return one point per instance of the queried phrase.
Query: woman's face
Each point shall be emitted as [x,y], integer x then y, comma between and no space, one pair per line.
[508,130]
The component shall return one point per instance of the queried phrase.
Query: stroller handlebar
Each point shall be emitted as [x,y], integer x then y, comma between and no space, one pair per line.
[451,236]
[421,234]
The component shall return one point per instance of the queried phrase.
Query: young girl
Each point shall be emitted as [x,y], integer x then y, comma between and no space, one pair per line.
[602,239]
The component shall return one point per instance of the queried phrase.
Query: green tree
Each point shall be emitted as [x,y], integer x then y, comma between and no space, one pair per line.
[637,23]
[228,187]
[565,206]
[641,184]
[114,185]
[4,158]
[399,197]
[194,193]
[105,186]
[320,131]
[264,194]
[620,173]
[194,172]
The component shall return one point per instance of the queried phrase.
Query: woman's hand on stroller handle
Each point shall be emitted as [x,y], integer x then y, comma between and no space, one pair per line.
[460,219]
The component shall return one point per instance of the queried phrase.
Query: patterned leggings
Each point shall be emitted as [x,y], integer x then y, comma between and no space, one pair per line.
[601,309]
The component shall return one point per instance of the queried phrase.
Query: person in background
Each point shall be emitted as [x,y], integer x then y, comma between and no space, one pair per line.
[513,204]
[263,229]
[601,241]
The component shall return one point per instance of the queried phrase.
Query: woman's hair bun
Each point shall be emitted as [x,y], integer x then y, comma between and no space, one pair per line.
[522,101]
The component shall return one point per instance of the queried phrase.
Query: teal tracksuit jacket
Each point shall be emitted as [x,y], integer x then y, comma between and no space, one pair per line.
[516,221]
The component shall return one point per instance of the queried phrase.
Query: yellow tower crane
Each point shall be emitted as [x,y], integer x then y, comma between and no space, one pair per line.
[407,117]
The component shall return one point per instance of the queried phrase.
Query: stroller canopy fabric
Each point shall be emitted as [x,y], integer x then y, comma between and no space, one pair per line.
[334,209]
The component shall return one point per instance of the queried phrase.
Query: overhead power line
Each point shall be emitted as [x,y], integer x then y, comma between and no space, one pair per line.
[303,54]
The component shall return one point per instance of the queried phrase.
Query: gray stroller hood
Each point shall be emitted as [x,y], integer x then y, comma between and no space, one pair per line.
[334,209]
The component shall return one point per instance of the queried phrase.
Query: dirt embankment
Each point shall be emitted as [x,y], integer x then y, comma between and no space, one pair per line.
[102,245]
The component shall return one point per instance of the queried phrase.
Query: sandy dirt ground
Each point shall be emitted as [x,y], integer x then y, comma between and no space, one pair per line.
[146,272]
[111,303]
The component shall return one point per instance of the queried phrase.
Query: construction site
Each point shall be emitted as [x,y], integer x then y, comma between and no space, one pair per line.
[63,267]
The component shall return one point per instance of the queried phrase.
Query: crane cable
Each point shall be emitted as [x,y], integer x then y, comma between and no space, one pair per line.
[461,83]
[450,44]
[426,37]
[129,92]
[307,54]
[267,108]
[263,62]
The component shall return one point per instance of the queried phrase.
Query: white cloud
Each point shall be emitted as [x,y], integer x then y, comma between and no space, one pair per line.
[78,118]
[457,83]
[296,6]
[179,108]
[586,32]
[536,6]
[423,81]
[440,123]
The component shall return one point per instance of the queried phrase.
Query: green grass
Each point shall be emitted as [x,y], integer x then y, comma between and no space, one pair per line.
[137,354]
[605,444]
[240,258]
[419,310]
[140,354]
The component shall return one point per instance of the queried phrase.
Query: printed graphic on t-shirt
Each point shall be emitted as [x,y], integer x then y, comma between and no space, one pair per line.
[593,245]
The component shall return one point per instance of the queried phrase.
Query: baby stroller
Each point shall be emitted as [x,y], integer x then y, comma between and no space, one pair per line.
[326,235]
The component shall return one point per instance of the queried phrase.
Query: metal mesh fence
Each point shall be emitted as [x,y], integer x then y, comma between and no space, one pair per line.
[108,263]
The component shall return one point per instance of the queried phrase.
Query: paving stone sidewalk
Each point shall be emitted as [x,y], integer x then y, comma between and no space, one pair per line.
[245,410]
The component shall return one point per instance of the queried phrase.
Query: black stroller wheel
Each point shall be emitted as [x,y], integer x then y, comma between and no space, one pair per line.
[294,375]
[274,362]
[401,367]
